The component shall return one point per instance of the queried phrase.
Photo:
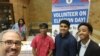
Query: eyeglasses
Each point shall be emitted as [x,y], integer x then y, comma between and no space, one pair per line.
[10,42]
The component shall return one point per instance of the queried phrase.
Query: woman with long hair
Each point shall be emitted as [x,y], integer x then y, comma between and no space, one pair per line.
[21,28]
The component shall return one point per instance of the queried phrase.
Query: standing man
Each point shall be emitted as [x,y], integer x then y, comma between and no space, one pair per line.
[10,42]
[65,42]
[42,44]
[87,47]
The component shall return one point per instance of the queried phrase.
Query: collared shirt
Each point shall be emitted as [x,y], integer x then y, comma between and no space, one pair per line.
[83,48]
[65,46]
[42,44]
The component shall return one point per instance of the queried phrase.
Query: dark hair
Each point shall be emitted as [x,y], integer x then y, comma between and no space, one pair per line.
[65,22]
[90,28]
[43,25]
[19,22]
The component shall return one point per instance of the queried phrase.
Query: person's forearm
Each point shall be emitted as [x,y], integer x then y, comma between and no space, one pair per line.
[34,52]
[50,53]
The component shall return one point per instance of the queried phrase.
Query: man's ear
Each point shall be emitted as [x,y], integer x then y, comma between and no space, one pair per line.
[90,33]
[68,27]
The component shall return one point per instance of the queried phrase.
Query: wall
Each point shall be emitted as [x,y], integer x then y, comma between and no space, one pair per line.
[21,10]
[38,11]
[94,19]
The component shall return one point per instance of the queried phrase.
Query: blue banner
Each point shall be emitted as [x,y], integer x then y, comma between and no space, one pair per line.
[73,16]
[75,11]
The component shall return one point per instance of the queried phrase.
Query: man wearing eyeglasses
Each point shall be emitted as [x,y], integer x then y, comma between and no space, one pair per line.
[10,42]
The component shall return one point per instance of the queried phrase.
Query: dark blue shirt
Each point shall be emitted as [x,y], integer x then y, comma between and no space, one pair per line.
[65,46]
